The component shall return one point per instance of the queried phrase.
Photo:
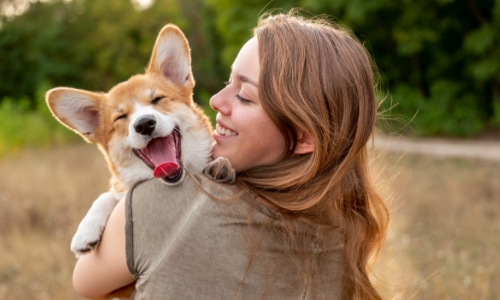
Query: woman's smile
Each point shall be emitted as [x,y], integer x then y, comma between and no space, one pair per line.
[221,130]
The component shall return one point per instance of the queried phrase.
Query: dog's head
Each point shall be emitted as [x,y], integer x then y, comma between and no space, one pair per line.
[148,125]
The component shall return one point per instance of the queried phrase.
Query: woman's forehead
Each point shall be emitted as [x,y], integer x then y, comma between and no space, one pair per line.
[246,65]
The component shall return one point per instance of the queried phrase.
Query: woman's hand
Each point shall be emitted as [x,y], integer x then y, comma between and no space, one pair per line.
[104,270]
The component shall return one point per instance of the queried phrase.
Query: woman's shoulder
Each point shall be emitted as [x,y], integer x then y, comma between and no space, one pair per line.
[157,188]
[190,187]
[154,195]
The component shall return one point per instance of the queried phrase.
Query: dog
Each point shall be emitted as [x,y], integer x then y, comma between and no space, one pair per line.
[146,127]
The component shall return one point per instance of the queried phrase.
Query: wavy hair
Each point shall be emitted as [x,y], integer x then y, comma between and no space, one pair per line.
[318,77]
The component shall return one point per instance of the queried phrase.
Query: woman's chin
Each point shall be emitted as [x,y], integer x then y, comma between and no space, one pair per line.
[218,152]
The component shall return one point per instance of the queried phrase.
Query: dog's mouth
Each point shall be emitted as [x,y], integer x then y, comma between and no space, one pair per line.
[163,156]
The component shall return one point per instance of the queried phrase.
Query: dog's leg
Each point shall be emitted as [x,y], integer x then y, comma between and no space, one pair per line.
[220,170]
[90,229]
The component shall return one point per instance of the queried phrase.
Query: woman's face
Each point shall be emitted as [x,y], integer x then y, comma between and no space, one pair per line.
[244,132]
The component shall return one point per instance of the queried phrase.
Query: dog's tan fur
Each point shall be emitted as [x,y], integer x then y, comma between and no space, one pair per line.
[106,119]
[121,100]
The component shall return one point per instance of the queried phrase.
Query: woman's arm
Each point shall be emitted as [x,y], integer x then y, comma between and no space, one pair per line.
[104,270]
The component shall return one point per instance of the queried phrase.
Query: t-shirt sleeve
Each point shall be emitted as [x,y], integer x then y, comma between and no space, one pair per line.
[129,235]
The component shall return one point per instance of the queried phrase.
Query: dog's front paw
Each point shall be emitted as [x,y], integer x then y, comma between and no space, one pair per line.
[90,229]
[86,238]
[220,170]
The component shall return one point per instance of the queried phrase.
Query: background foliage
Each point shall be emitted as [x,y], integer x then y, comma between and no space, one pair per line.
[439,60]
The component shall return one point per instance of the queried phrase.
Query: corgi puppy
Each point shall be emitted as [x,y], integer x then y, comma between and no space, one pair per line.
[146,127]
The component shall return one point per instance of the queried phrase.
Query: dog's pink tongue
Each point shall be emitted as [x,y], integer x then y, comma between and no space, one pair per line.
[165,169]
[163,154]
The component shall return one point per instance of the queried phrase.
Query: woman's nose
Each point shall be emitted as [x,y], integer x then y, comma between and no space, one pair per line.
[219,103]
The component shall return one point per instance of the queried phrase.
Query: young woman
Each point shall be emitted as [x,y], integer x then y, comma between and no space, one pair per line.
[294,120]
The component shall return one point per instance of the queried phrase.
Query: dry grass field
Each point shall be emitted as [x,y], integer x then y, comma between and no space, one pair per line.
[444,237]
[443,242]
[43,196]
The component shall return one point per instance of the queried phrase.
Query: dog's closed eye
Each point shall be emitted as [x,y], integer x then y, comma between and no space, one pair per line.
[120,117]
[157,99]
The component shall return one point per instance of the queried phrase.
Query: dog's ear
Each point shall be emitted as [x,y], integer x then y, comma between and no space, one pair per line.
[172,57]
[77,109]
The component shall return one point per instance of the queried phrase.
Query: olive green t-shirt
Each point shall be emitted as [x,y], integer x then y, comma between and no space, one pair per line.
[181,244]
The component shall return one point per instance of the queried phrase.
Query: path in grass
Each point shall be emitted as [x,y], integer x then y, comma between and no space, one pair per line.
[482,150]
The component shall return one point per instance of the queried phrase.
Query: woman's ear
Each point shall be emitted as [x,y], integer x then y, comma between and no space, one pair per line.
[305,143]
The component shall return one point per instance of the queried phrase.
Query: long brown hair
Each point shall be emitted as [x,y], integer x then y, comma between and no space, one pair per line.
[319,78]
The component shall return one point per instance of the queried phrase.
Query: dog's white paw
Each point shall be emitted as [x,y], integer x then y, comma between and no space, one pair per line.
[90,230]
[220,170]
[87,236]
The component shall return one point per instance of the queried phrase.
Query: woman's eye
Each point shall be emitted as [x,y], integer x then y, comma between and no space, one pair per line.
[243,99]
[120,117]
[157,100]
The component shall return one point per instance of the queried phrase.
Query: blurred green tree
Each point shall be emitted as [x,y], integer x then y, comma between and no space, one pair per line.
[87,44]
[439,60]
[236,18]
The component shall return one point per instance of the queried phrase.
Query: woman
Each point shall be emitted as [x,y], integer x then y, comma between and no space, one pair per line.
[293,120]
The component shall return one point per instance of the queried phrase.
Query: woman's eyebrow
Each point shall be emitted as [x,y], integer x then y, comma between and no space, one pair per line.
[247,80]
[244,79]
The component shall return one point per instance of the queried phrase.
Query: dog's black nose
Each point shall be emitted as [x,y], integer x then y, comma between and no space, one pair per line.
[145,125]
